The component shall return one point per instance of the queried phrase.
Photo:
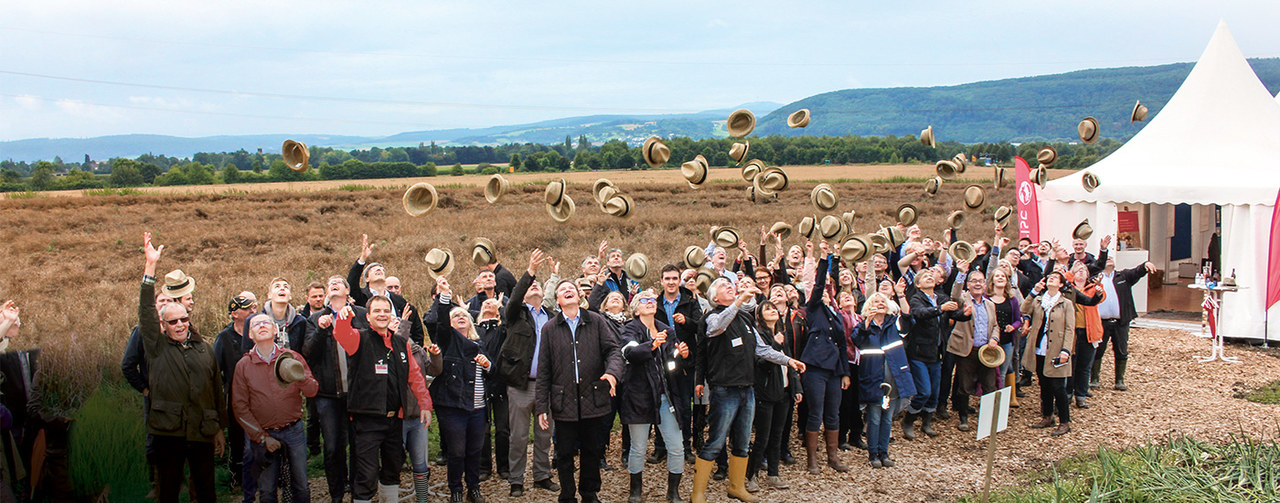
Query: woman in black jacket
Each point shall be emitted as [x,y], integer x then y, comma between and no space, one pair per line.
[653,354]
[613,306]
[459,393]
[776,387]
[828,370]
[492,335]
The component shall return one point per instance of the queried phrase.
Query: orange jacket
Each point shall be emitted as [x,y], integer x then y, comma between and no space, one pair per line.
[1087,316]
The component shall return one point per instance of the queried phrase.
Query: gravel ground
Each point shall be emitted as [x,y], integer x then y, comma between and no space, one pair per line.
[1168,394]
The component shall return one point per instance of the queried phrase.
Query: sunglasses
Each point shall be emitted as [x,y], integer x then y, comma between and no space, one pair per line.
[257,324]
[184,319]
[649,300]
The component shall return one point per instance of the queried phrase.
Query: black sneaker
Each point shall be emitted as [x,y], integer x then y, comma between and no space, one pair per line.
[517,490]
[504,475]
[485,476]
[547,484]
[455,497]
[474,496]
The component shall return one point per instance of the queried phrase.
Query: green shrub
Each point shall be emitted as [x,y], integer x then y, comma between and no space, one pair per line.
[107,444]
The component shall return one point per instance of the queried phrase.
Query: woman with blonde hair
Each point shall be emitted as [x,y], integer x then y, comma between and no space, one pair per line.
[459,393]
[1005,296]
[883,373]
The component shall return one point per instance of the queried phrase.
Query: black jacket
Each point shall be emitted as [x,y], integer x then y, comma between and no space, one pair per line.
[924,341]
[686,332]
[515,359]
[1124,281]
[720,361]
[456,385]
[296,329]
[134,363]
[492,335]
[824,346]
[570,367]
[322,352]
[226,349]
[504,282]
[360,296]
[648,374]
[768,385]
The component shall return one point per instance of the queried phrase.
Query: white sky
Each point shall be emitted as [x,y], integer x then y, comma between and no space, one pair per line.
[377,68]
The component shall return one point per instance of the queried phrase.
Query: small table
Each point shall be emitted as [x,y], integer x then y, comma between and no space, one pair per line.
[1215,293]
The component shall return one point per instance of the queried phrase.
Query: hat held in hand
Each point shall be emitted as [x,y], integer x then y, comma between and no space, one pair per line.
[288,369]
[962,251]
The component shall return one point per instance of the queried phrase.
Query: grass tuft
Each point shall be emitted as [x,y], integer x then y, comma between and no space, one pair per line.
[26,194]
[1268,394]
[356,187]
[123,191]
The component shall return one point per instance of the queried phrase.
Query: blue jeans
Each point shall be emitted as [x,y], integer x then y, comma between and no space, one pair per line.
[879,425]
[267,464]
[335,429]
[822,391]
[927,378]
[669,428]
[415,441]
[466,430]
[1006,368]
[732,411]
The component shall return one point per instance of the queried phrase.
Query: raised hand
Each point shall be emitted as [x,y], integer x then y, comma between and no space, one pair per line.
[366,248]
[152,253]
[604,246]
[442,286]
[1105,241]
[434,349]
[535,258]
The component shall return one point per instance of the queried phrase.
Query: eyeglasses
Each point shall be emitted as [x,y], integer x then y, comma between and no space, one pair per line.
[176,321]
[649,300]
[257,324]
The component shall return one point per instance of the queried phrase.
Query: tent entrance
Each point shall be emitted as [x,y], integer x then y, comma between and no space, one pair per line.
[1183,239]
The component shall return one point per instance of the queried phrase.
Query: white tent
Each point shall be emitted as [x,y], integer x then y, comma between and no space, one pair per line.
[1215,143]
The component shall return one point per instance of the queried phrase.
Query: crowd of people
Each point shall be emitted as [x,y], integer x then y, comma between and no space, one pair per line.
[836,347]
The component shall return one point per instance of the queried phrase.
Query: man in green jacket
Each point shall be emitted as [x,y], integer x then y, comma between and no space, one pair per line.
[188,408]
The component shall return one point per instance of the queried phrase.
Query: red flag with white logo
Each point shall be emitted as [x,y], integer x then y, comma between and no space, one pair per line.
[1028,208]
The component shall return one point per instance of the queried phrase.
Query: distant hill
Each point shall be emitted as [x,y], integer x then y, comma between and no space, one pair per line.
[1045,107]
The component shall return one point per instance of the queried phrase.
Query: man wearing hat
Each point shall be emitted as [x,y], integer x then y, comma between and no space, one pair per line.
[270,382]
[227,350]
[187,413]
[375,275]
[328,361]
[968,337]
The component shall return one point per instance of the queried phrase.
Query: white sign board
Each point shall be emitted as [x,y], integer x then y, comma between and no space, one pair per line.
[994,406]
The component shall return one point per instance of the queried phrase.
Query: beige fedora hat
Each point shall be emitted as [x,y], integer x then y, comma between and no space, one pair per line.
[738,151]
[848,218]
[895,235]
[1047,156]
[855,249]
[695,171]
[439,262]
[806,227]
[962,251]
[1088,129]
[799,118]
[177,284]
[296,155]
[932,185]
[419,199]
[1139,112]
[288,370]
[824,198]
[962,162]
[955,219]
[751,169]
[620,205]
[947,170]
[974,197]
[726,237]
[1083,230]
[1040,176]
[495,188]
[603,189]
[1003,216]
[655,152]
[636,266]
[926,137]
[482,253]
[1001,177]
[564,211]
[907,214]
[991,356]
[879,241]
[554,194]
[741,123]
[772,179]
[694,257]
[782,229]
[704,280]
[1089,181]
[831,227]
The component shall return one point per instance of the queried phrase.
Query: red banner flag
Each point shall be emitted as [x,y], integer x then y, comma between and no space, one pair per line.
[1273,259]
[1028,207]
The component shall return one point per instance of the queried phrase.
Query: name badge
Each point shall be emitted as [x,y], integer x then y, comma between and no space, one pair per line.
[737,341]
[380,369]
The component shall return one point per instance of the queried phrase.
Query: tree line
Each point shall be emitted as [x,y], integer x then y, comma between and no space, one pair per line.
[241,166]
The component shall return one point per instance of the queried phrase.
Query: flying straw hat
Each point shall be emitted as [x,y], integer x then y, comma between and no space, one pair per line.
[932,185]
[955,219]
[926,137]
[799,118]
[704,280]
[288,369]
[947,170]
[296,155]
[1089,181]
[655,152]
[600,186]
[1139,112]
[554,194]
[1001,177]
[855,249]
[848,217]
[895,235]
[751,169]
[695,171]
[1040,176]
[807,226]
[1088,129]
[962,251]
[562,212]
[694,257]
[823,198]
[991,356]
[782,229]
[962,162]
[1047,156]
[879,242]
[726,237]
[439,262]
[1083,230]
[636,266]
[772,179]
[974,197]
[619,205]
[741,122]
[907,214]
[738,151]
[419,199]
[1003,216]
[830,227]
[482,253]
[495,188]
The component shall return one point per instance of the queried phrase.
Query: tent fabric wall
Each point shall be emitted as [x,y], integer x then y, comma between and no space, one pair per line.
[1244,249]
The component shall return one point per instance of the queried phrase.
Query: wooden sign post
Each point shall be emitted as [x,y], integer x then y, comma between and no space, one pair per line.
[993,417]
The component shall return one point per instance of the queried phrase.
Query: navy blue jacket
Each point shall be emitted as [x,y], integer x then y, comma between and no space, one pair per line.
[824,346]
[880,346]
[455,386]
[648,373]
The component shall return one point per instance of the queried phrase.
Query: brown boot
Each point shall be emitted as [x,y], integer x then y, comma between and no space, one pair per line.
[701,475]
[811,439]
[1013,386]
[1063,429]
[833,452]
[737,480]
[1044,423]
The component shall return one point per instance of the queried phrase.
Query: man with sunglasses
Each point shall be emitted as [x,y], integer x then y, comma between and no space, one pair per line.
[188,411]
[226,349]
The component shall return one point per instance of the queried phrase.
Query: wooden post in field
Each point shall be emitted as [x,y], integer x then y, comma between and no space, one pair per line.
[993,413]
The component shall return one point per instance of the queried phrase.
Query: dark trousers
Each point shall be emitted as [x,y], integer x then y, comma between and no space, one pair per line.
[1118,335]
[851,425]
[500,439]
[684,400]
[945,388]
[313,426]
[171,455]
[1053,394]
[970,372]
[1081,364]
[241,460]
[291,454]
[335,428]
[770,418]
[378,449]
[787,424]
[467,429]
[580,437]
[822,391]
